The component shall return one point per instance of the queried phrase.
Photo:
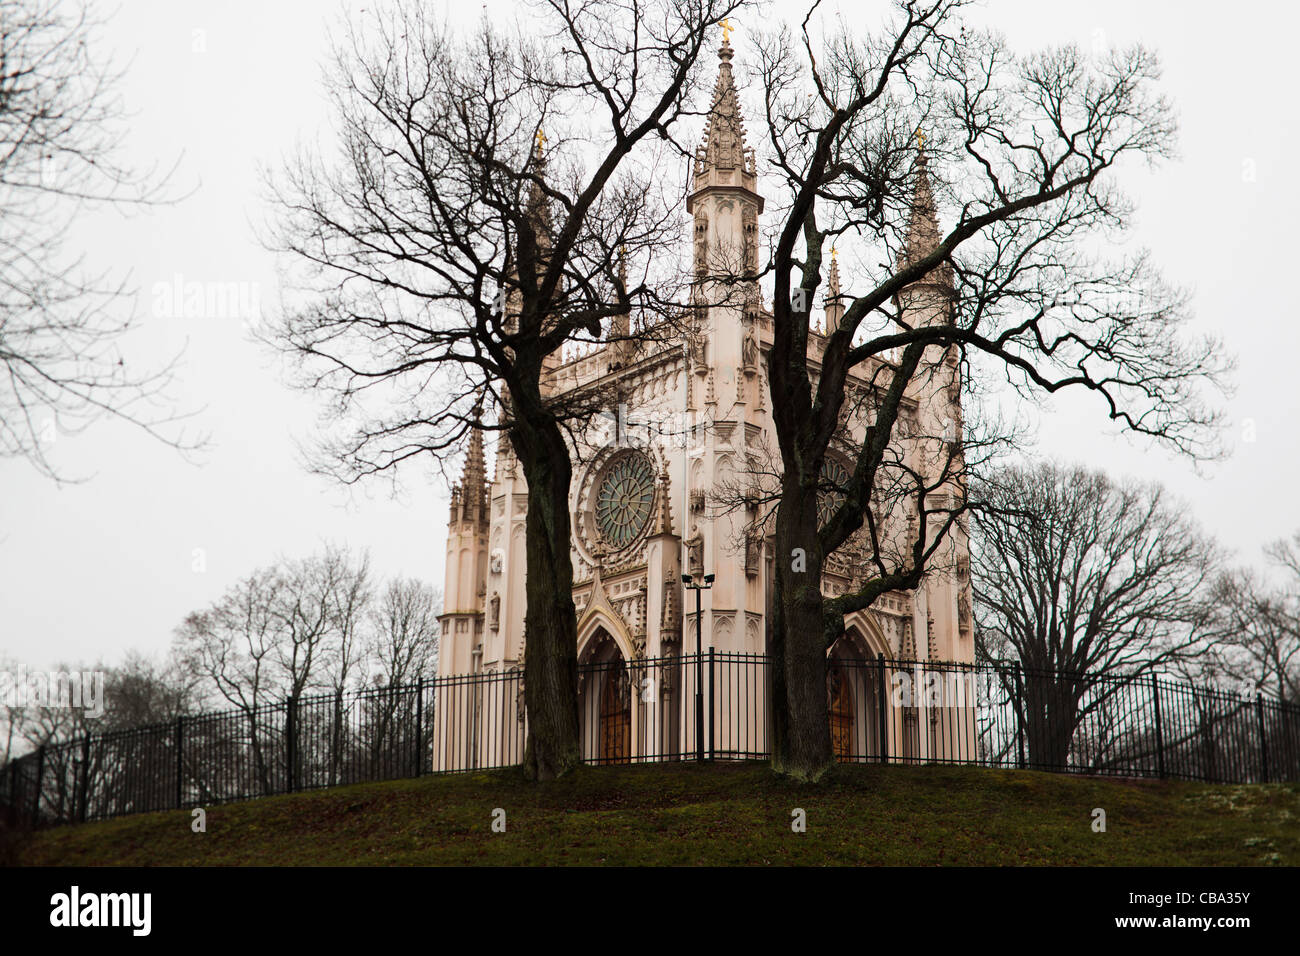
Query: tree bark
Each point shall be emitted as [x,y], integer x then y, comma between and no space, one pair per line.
[550,622]
[801,745]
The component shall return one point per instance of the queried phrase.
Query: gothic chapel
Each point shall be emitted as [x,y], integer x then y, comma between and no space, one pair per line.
[645,509]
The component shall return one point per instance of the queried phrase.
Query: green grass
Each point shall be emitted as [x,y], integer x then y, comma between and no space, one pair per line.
[721,814]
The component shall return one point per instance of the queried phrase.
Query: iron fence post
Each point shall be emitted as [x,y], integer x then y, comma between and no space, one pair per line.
[1020,718]
[85,777]
[1263,737]
[180,752]
[36,796]
[419,726]
[713,689]
[1160,730]
[699,680]
[291,744]
[884,708]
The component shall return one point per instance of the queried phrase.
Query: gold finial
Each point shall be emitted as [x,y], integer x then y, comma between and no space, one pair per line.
[541,141]
[726,30]
[920,138]
[834,251]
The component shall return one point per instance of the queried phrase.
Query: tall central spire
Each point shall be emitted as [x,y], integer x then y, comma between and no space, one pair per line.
[723,159]
[724,136]
[923,226]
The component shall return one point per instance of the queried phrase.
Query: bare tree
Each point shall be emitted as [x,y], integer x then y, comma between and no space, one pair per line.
[61,131]
[230,648]
[403,644]
[873,140]
[143,690]
[491,196]
[284,630]
[1256,626]
[1090,585]
[280,633]
[319,605]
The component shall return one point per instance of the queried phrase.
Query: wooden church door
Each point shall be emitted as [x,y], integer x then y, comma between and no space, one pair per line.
[616,717]
[841,714]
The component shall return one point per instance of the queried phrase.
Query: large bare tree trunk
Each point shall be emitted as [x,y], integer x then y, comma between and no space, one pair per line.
[550,622]
[801,745]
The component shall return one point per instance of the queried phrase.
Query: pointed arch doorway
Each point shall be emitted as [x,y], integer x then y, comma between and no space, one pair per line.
[852,704]
[605,702]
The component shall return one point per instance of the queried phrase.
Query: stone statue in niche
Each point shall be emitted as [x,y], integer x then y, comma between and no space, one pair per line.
[695,552]
[750,231]
[701,244]
[699,353]
[749,352]
[494,611]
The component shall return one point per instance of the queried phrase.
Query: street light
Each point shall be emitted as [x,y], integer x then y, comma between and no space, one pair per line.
[707,583]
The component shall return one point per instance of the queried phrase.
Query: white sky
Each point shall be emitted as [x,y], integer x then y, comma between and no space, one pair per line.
[90,570]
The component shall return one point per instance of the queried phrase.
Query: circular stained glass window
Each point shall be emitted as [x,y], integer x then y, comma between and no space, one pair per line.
[829,498]
[625,500]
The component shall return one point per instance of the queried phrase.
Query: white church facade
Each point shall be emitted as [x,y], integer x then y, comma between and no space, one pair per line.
[655,497]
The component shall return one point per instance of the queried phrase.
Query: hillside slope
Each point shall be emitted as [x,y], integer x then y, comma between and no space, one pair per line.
[720,814]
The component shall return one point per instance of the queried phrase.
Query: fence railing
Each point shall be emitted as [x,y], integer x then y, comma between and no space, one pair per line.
[665,709]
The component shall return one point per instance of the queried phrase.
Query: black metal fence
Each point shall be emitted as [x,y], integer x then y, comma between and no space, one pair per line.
[666,709]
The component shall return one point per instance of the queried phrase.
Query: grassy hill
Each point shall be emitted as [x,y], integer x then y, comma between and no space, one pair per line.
[720,814]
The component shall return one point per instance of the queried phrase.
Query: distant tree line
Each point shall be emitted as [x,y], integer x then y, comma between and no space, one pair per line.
[296,627]
[1093,585]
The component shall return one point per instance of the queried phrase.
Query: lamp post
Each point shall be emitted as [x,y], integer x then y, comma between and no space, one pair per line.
[697,587]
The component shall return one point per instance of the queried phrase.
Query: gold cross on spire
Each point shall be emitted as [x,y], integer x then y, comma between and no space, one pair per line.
[726,30]
[834,252]
[920,138]
[541,141]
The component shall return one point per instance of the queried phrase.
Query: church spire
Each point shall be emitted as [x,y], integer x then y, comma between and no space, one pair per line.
[723,198]
[834,303]
[724,135]
[470,496]
[923,225]
[620,326]
[539,207]
[923,235]
[538,212]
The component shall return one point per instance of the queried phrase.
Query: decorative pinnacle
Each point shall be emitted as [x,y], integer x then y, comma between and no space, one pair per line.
[664,523]
[541,142]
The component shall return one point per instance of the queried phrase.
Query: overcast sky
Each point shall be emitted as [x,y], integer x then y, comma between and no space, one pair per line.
[90,570]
